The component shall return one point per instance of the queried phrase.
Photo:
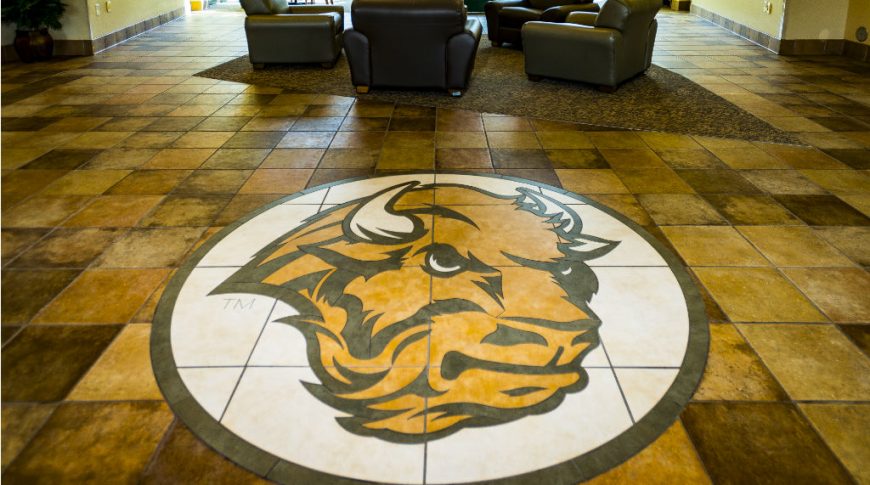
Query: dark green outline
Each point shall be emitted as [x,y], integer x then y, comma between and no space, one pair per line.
[580,468]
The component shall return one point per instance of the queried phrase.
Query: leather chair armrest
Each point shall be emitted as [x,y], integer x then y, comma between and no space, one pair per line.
[315,9]
[461,50]
[492,10]
[500,4]
[356,47]
[474,28]
[582,18]
[279,21]
[560,12]
[572,51]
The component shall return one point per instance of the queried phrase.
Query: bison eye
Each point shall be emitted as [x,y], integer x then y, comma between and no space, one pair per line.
[443,261]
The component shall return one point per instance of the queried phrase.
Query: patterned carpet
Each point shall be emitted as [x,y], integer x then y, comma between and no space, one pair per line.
[659,100]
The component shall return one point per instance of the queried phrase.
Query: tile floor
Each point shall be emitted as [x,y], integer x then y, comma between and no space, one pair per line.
[114,167]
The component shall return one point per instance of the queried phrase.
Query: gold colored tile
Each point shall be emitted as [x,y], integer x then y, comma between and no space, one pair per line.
[591,181]
[512,139]
[85,182]
[713,246]
[793,246]
[845,428]
[839,292]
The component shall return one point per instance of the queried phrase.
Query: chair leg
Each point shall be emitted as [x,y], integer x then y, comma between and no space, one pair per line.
[456,93]
[534,77]
[607,89]
[362,89]
[259,65]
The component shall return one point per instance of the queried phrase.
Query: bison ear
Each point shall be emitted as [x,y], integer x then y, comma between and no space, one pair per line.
[587,247]
[376,219]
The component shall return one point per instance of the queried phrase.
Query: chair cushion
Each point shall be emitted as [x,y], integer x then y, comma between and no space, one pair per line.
[545,4]
[517,16]
[255,7]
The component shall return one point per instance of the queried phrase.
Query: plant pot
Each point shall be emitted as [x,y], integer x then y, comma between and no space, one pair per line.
[33,45]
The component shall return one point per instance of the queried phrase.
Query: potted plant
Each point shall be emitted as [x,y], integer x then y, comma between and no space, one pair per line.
[32,19]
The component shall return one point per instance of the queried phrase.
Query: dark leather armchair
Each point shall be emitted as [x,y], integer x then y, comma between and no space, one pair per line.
[278,33]
[420,44]
[505,18]
[603,49]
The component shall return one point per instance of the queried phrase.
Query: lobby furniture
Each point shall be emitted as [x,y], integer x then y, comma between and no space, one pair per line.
[604,49]
[282,34]
[420,44]
[505,18]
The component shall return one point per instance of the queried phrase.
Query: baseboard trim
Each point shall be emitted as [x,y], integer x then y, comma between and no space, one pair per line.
[756,37]
[64,47]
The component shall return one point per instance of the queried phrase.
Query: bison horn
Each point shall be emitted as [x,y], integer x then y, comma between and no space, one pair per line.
[376,220]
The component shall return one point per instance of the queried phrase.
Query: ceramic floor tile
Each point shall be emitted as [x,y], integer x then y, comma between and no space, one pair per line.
[236,158]
[365,158]
[628,159]
[179,158]
[731,437]
[845,429]
[85,182]
[181,210]
[757,295]
[782,182]
[691,159]
[812,362]
[120,293]
[276,181]
[712,181]
[713,246]
[752,209]
[149,182]
[839,292]
[823,210]
[591,182]
[840,181]
[123,371]
[241,205]
[293,158]
[734,372]
[24,292]
[44,363]
[150,248]
[626,205]
[214,182]
[859,334]
[679,209]
[67,248]
[121,158]
[462,158]
[21,184]
[20,423]
[793,246]
[854,242]
[62,159]
[114,211]
[14,241]
[100,442]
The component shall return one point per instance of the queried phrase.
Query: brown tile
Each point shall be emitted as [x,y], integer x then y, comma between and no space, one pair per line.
[512,139]
[371,109]
[859,334]
[616,139]
[121,158]
[459,139]
[823,210]
[734,372]
[93,442]
[812,362]
[123,372]
[114,211]
[242,205]
[409,139]
[690,159]
[632,158]
[24,293]
[845,428]
[175,123]
[151,139]
[854,242]
[413,111]
[185,459]
[20,423]
[126,123]
[293,158]
[119,293]
[760,443]
[203,139]
[179,210]
[179,158]
[62,159]
[858,201]
[519,158]
[149,182]
[747,158]
[150,248]
[506,123]
[14,241]
[679,209]
[223,123]
[803,157]
[857,158]
[671,458]
[317,139]
[255,139]
[214,182]
[352,123]
[406,159]
[713,246]
[576,159]
[840,181]
[626,205]
[323,176]
[21,184]
[793,246]
[44,363]
[458,120]
[782,182]
[462,158]
[668,141]
[98,139]
[839,292]
[412,124]
[358,139]
[757,295]
[542,175]
[43,211]
[717,182]
[564,140]
[751,209]
[67,248]
[591,181]
[85,182]
[237,158]
[653,181]
[317,124]
[17,157]
[350,158]
[262,123]
[276,181]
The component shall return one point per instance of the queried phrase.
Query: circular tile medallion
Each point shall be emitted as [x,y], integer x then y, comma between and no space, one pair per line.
[430,328]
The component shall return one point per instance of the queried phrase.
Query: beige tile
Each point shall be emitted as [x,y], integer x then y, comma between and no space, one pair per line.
[812,362]
[839,292]
[793,246]
[512,139]
[845,428]
[591,181]
[85,182]
[713,246]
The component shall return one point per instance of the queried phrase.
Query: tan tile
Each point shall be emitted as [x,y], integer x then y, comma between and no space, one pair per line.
[236,158]
[671,458]
[793,246]
[276,181]
[214,182]
[512,139]
[781,182]
[668,141]
[358,139]
[757,295]
[802,157]
[203,139]
[102,296]
[630,158]
[67,248]
[839,292]
[840,181]
[410,139]
[747,158]
[123,372]
[845,428]
[591,181]
[854,242]
[406,159]
[312,139]
[43,211]
[653,181]
[626,205]
[20,423]
[114,211]
[293,158]
[16,157]
[679,209]
[564,140]
[858,201]
[179,158]
[751,209]
[812,362]
[98,139]
[85,182]
[365,158]
[713,246]
[616,139]
[121,158]
[242,205]
[734,372]
[506,123]
[458,139]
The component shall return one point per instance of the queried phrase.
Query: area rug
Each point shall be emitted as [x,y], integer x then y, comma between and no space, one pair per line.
[660,100]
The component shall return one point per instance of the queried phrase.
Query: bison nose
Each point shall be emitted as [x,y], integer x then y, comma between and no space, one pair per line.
[567,340]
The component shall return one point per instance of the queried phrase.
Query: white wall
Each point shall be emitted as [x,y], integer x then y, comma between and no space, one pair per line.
[748,13]
[816,19]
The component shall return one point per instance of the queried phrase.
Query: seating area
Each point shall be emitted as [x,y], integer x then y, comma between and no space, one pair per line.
[432,44]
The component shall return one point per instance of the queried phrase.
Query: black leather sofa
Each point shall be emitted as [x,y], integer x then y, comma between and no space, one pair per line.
[505,18]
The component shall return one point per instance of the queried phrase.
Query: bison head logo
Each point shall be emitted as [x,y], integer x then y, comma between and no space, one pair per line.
[426,313]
